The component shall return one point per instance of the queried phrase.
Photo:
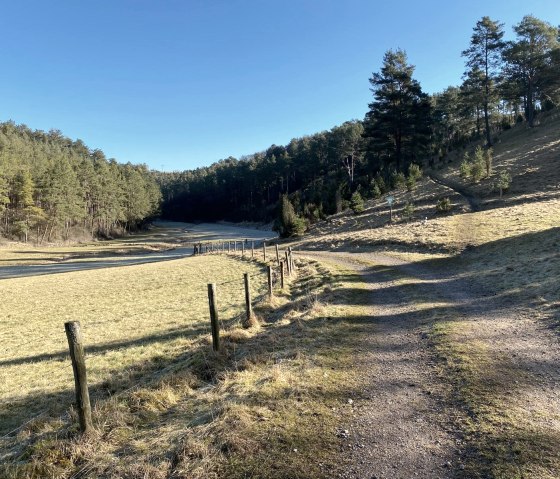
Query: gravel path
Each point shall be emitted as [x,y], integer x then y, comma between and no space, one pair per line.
[404,425]
[401,428]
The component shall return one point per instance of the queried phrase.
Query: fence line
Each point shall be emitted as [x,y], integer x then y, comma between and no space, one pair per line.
[76,347]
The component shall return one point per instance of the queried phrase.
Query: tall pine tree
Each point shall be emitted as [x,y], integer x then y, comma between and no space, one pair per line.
[397,124]
[484,54]
[532,62]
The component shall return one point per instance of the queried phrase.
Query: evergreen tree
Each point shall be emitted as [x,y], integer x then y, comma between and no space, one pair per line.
[533,63]
[289,223]
[397,124]
[484,55]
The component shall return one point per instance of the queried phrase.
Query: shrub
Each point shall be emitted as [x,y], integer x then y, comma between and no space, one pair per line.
[414,171]
[465,168]
[408,210]
[477,171]
[478,166]
[398,180]
[288,222]
[375,190]
[357,203]
[443,205]
[380,182]
[503,182]
[414,174]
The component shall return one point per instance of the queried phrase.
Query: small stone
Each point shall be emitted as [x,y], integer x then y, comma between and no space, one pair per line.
[295,450]
[350,401]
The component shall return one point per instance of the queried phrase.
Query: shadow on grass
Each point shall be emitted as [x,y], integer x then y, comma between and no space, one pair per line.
[287,340]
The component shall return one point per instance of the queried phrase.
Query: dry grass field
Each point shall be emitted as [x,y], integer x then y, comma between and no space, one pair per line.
[130,317]
[163,401]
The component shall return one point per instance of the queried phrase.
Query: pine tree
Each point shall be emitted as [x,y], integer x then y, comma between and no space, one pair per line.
[399,119]
[531,62]
[484,55]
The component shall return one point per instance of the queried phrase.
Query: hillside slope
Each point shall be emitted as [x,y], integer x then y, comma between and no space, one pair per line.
[488,281]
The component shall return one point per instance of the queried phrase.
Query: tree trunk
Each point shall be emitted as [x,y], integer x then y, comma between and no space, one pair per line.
[530,105]
[487,125]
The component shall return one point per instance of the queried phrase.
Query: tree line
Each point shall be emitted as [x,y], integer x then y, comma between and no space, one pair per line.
[54,188]
[504,83]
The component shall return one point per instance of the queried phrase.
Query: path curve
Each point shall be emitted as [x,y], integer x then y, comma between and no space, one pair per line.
[182,234]
[473,201]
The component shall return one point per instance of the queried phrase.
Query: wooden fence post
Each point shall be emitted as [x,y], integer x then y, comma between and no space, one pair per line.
[76,346]
[212,302]
[229,246]
[235,246]
[282,274]
[242,249]
[248,307]
[252,249]
[291,259]
[269,278]
[288,263]
[277,255]
[264,251]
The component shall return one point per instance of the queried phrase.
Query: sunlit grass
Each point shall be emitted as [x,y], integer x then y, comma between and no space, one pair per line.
[129,316]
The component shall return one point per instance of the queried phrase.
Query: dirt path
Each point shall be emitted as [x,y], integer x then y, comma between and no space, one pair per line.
[401,427]
[184,235]
[504,372]
[473,201]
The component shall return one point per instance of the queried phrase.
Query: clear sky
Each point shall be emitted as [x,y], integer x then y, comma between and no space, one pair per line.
[182,83]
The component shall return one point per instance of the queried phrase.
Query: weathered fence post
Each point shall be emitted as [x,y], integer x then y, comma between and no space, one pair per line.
[242,249]
[269,277]
[212,302]
[235,246]
[282,274]
[248,307]
[291,259]
[229,246]
[76,346]
[252,249]
[288,263]
[264,251]
[277,255]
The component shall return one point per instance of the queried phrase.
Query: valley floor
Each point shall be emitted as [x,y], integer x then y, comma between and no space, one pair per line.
[384,364]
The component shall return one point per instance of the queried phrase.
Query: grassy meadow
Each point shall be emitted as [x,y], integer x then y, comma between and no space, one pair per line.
[131,318]
[163,401]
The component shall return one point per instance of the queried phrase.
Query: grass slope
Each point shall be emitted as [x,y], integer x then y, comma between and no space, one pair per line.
[509,252]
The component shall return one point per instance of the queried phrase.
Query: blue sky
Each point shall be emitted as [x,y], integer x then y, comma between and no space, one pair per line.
[181,84]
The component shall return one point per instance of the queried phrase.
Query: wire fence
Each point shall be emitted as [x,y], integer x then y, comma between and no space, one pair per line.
[231,307]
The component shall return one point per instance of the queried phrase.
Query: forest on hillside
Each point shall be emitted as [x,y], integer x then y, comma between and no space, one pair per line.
[53,188]
[505,82]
